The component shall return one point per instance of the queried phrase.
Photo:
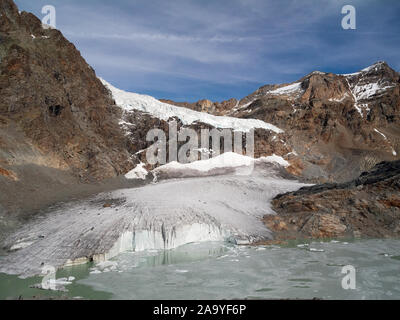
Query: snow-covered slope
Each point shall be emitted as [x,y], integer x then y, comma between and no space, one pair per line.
[221,164]
[366,85]
[224,161]
[294,88]
[133,101]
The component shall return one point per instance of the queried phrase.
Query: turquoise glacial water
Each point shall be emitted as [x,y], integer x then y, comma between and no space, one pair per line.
[224,271]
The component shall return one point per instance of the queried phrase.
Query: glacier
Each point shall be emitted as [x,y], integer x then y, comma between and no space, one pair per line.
[129,101]
[162,215]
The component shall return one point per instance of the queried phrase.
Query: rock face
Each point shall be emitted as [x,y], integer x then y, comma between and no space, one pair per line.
[61,114]
[55,115]
[366,207]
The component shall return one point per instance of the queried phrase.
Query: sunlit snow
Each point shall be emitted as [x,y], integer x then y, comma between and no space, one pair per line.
[133,101]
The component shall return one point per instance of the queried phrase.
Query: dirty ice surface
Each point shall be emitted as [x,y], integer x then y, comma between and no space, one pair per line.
[161,215]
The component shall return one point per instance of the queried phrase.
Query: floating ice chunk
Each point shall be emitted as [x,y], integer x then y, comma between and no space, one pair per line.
[96,271]
[181,271]
[107,265]
[303,245]
[53,285]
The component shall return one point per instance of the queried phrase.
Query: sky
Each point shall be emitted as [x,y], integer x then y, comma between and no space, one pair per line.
[187,50]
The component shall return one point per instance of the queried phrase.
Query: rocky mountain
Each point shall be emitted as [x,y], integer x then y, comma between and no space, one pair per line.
[337,125]
[62,128]
[142,113]
[54,111]
[73,148]
[368,206]
[58,124]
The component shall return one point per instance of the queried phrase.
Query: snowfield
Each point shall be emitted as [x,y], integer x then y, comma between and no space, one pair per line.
[225,160]
[369,90]
[363,92]
[221,163]
[132,101]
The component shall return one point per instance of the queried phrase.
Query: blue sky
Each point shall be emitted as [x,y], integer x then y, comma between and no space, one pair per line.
[187,50]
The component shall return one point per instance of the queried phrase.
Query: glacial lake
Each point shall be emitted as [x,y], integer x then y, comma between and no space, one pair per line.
[216,270]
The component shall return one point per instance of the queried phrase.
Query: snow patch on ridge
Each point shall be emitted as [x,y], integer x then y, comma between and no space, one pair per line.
[374,66]
[132,101]
[287,90]
[357,105]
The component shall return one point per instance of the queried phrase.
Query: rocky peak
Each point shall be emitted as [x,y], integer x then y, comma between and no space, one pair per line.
[378,67]
[322,87]
[379,75]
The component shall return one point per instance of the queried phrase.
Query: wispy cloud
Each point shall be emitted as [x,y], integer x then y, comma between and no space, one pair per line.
[192,49]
